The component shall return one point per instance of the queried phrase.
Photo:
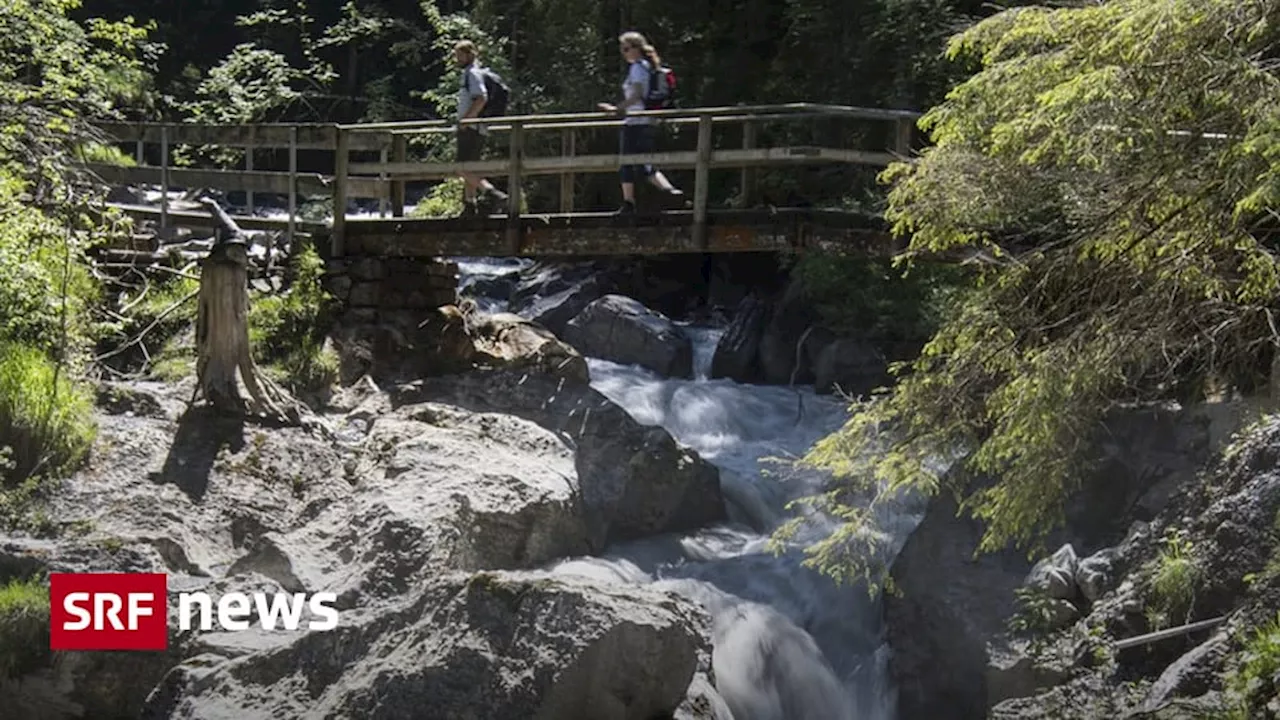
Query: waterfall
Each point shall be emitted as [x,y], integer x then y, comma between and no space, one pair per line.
[788,644]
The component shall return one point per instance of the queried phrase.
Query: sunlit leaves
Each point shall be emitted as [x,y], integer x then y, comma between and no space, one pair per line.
[1125,158]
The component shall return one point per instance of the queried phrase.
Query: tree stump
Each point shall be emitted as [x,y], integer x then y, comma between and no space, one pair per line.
[222,332]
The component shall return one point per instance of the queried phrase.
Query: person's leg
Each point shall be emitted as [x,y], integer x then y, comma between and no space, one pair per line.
[649,141]
[628,172]
[468,151]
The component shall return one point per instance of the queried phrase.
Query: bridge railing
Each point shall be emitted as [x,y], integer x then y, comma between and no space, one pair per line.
[384,180]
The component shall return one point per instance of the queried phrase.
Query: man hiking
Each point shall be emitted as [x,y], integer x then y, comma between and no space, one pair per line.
[472,96]
[638,132]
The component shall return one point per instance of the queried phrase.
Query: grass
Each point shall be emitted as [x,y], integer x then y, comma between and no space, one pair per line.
[24,627]
[45,419]
[1251,683]
[1173,586]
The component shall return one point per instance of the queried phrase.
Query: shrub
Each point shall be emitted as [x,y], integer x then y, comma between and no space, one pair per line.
[287,332]
[1173,587]
[1252,683]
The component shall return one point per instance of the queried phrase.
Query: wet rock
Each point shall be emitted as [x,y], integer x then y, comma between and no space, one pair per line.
[620,329]
[636,480]
[736,354]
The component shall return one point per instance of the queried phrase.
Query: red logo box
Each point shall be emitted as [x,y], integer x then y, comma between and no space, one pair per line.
[108,611]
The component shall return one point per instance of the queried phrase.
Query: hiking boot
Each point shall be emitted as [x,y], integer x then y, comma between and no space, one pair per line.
[469,209]
[628,208]
[498,197]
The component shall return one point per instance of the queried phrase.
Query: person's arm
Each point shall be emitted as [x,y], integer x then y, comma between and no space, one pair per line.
[478,99]
[633,90]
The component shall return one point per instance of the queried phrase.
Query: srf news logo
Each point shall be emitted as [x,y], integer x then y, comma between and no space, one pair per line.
[129,611]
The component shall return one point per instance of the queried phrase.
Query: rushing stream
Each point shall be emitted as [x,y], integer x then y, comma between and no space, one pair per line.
[788,643]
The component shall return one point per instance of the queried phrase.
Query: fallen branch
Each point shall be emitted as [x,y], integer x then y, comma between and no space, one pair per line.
[138,338]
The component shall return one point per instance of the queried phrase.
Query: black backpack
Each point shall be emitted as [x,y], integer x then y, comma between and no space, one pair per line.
[498,92]
[662,89]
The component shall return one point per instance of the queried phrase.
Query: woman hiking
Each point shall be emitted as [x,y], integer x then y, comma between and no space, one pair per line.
[639,134]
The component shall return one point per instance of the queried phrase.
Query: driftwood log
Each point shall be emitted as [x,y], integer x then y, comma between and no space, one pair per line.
[222,332]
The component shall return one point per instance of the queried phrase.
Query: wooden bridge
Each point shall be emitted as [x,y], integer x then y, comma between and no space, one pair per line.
[383,167]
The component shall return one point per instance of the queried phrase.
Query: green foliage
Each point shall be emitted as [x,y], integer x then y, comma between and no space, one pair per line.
[1173,586]
[1035,612]
[288,331]
[1121,262]
[45,420]
[868,297]
[1253,682]
[444,200]
[24,627]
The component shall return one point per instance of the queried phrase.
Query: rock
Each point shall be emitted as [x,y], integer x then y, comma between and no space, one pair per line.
[1015,674]
[792,315]
[510,341]
[552,295]
[1096,574]
[622,330]
[949,609]
[1056,574]
[494,645]
[636,481]
[1191,675]
[737,353]
[849,367]
[493,287]
[404,346]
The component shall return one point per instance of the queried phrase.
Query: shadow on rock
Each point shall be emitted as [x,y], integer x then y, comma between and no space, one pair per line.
[202,434]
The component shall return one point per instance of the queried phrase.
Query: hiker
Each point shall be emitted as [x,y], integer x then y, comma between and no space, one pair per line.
[472,96]
[639,134]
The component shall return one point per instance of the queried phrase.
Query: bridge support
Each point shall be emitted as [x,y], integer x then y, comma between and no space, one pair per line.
[702,182]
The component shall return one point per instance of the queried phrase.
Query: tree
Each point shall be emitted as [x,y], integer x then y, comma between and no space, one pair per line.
[1116,164]
[222,332]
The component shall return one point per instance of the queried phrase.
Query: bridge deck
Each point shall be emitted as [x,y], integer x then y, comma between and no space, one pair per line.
[567,234]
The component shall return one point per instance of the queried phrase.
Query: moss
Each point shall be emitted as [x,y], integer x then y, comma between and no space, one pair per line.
[24,627]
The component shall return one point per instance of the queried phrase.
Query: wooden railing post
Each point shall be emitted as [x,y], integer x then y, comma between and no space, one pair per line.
[384,196]
[568,140]
[400,152]
[293,182]
[902,140]
[701,183]
[248,165]
[750,131]
[164,176]
[513,189]
[341,159]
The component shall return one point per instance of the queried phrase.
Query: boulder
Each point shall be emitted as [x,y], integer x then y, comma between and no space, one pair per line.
[494,645]
[508,340]
[792,316]
[1096,574]
[620,329]
[949,608]
[1056,574]
[552,294]
[405,346]
[737,353]
[636,480]
[849,367]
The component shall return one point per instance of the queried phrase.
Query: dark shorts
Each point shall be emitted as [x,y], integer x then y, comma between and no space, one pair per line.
[470,143]
[638,139]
